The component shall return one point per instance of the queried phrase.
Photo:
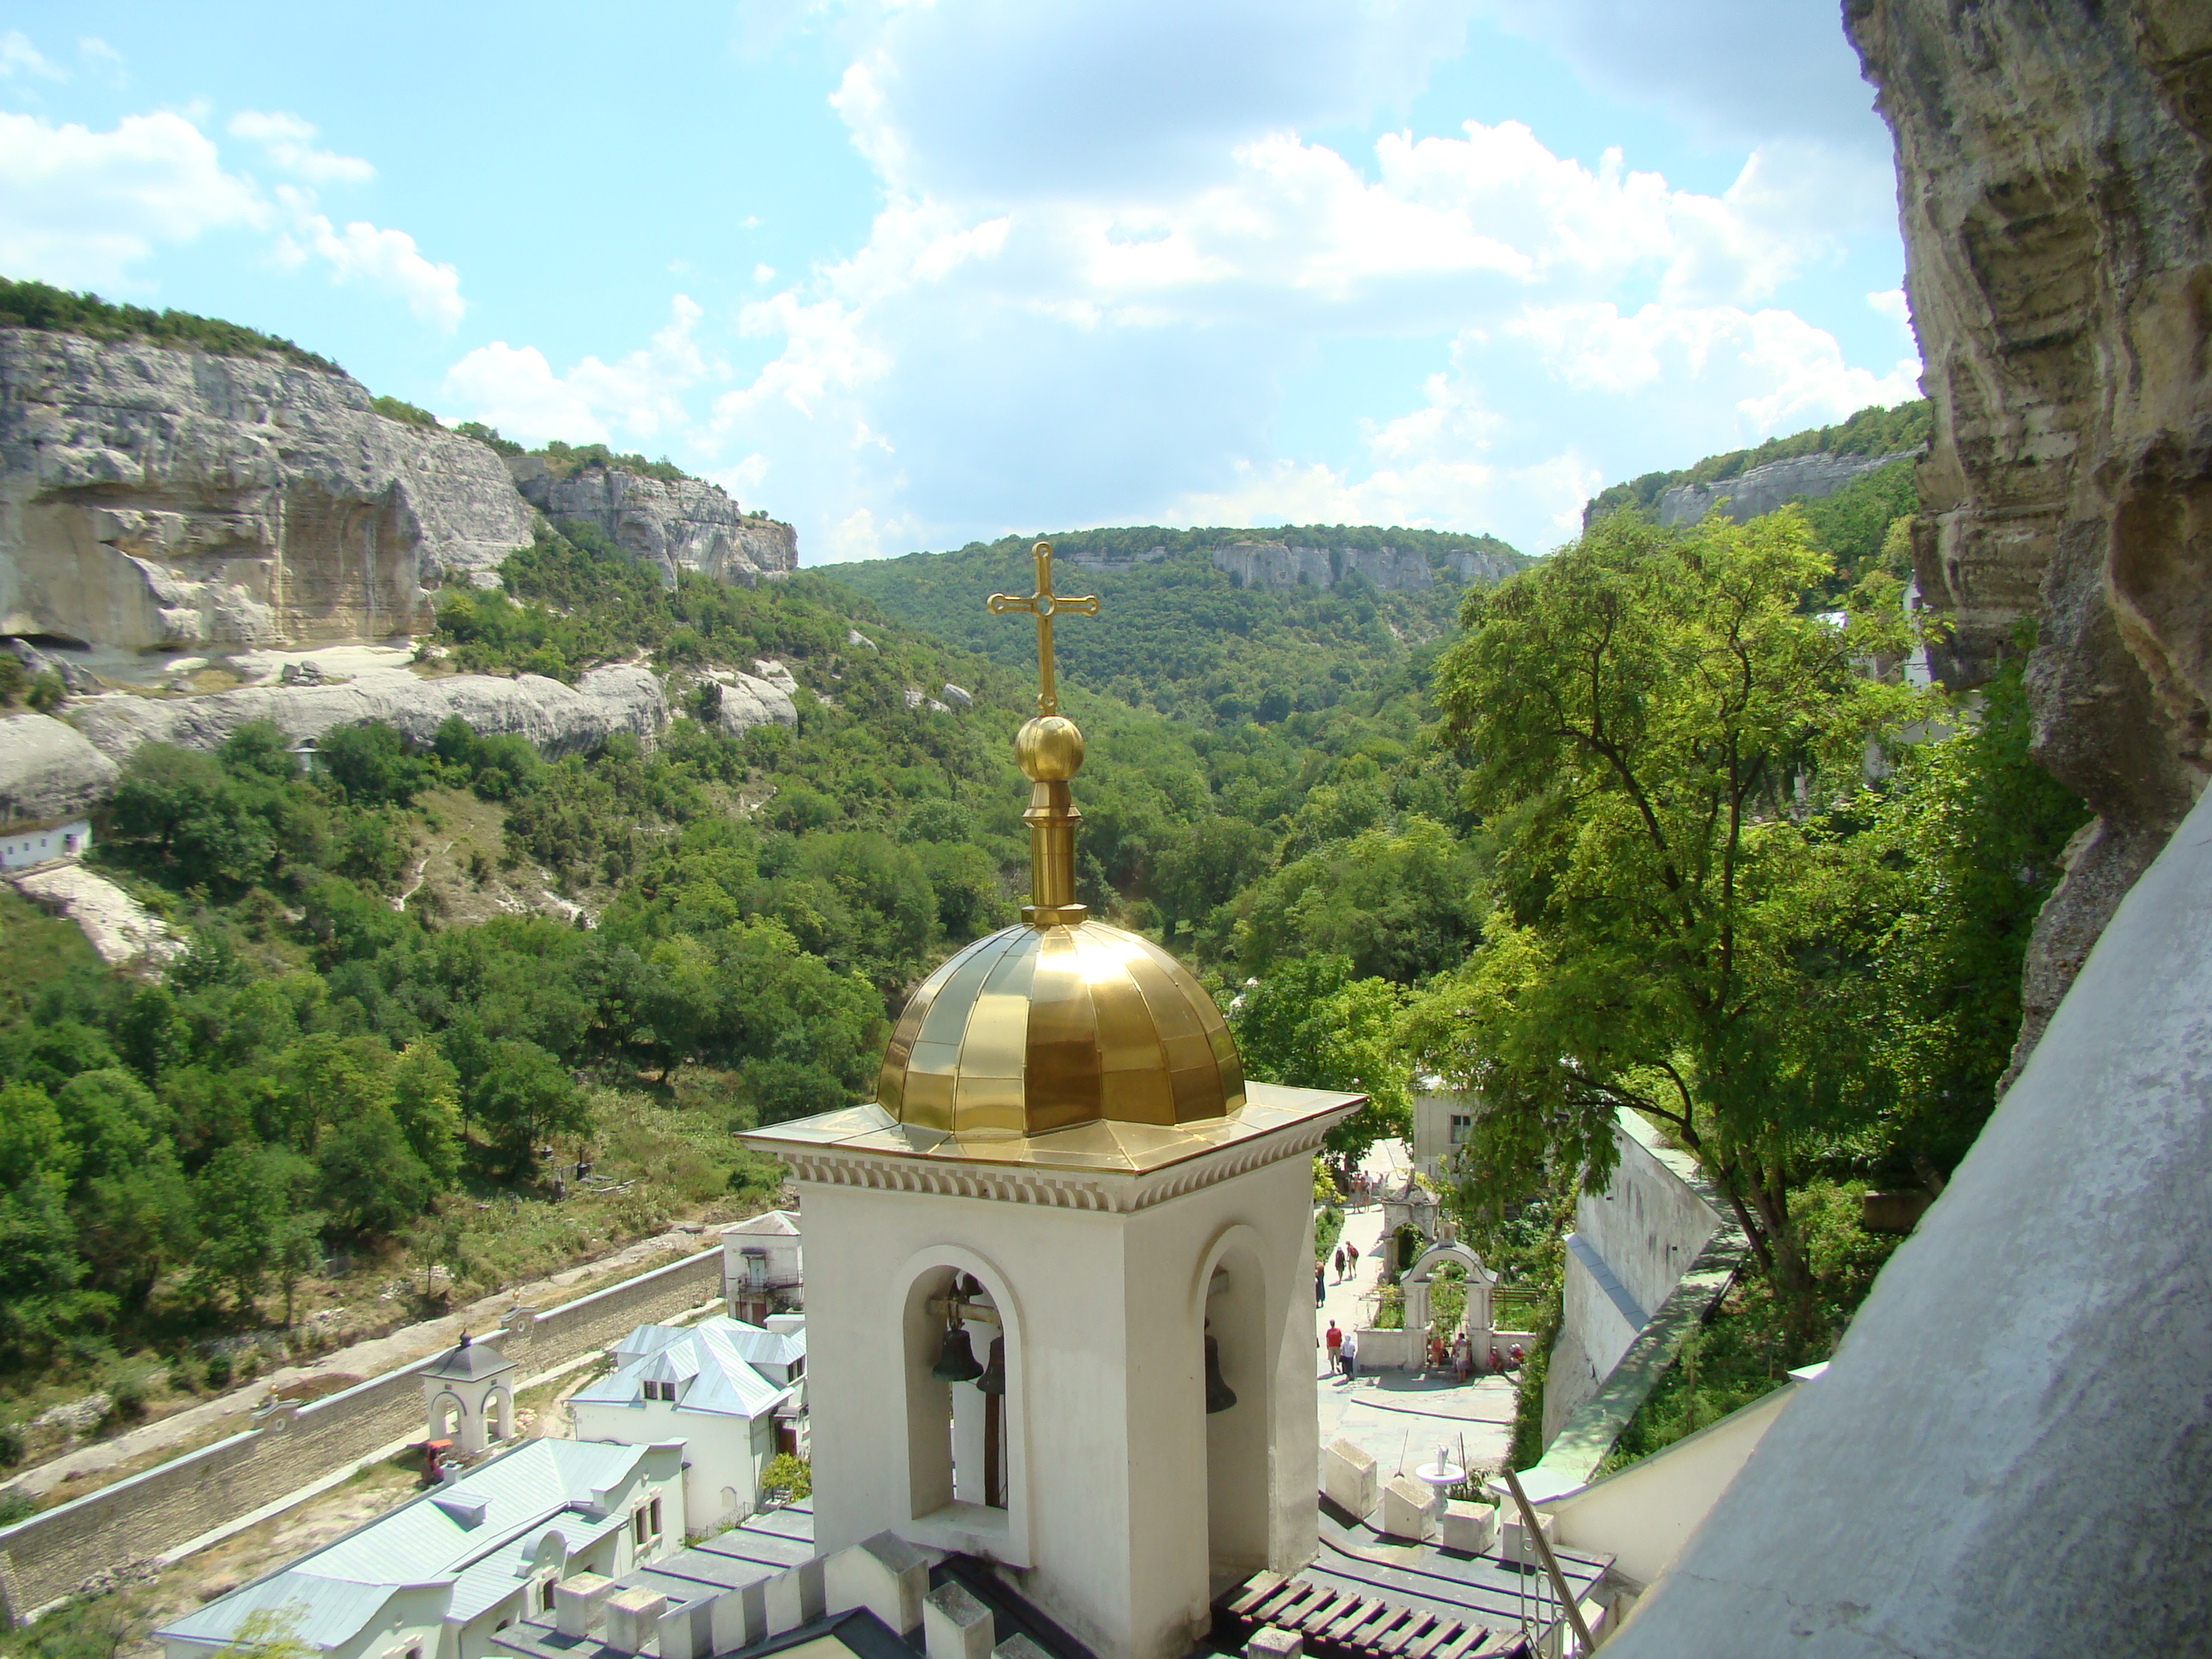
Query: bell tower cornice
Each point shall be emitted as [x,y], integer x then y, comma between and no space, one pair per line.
[877,1153]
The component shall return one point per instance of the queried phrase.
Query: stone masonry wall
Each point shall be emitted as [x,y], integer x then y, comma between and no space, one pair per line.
[48,1556]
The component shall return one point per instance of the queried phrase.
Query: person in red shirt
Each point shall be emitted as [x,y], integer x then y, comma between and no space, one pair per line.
[1334,1338]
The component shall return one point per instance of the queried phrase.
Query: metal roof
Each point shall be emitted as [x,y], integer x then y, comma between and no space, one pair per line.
[540,1487]
[469,1361]
[706,1362]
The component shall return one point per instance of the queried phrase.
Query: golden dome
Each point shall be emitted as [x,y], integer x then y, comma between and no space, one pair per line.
[1040,1027]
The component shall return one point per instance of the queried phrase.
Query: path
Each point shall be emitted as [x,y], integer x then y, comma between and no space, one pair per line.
[1400,1417]
[364,1359]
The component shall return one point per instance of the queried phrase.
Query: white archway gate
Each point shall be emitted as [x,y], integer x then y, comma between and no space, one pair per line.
[1478,1282]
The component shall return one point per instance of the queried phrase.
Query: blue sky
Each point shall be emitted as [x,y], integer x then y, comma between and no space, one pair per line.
[908,274]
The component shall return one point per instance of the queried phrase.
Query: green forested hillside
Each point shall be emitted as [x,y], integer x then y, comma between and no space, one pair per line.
[423,981]
[1179,636]
[1871,431]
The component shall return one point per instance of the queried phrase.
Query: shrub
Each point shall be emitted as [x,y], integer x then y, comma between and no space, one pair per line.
[787,1479]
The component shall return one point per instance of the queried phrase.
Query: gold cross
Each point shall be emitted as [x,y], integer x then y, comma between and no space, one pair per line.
[1044,604]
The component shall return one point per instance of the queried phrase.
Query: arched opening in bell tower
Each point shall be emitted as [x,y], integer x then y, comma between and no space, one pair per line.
[1237,1377]
[961,1406]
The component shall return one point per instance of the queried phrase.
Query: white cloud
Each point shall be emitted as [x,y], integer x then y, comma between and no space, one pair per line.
[286,139]
[1110,244]
[19,57]
[102,60]
[639,396]
[83,207]
[377,257]
[1891,303]
[1014,99]
[515,389]
[1754,70]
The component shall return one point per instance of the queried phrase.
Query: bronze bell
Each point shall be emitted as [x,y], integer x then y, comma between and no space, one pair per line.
[1219,1396]
[956,1363]
[994,1379]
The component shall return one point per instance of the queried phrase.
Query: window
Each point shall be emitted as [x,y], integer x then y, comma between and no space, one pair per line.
[637,1531]
[1463,1125]
[653,1509]
[661,1391]
[545,1597]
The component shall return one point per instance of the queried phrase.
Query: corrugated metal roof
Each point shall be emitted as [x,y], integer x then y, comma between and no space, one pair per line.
[540,1486]
[707,1362]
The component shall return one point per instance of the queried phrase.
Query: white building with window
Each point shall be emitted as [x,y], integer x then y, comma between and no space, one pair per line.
[1443,1120]
[763,1264]
[734,1394]
[439,1577]
[29,842]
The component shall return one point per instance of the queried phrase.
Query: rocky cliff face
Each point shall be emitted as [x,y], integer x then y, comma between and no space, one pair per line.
[1763,488]
[679,525]
[1274,566]
[152,498]
[2055,179]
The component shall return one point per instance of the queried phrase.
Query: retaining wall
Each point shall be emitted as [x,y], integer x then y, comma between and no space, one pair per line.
[1631,1246]
[153,1513]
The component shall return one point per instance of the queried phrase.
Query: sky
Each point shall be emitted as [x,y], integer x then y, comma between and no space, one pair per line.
[909,273]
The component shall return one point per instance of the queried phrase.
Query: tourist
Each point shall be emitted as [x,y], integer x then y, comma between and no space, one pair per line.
[1462,1357]
[1350,1358]
[1334,1338]
[1320,1284]
[1340,1264]
[1350,1257]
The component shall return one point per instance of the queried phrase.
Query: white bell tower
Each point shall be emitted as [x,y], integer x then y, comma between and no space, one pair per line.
[1063,1160]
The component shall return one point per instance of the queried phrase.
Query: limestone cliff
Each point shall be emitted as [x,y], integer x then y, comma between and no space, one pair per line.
[2055,181]
[158,498]
[1275,566]
[677,525]
[1763,488]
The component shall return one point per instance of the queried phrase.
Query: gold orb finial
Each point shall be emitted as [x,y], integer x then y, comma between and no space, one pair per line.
[1048,749]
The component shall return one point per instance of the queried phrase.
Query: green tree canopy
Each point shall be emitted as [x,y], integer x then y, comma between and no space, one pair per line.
[1657,725]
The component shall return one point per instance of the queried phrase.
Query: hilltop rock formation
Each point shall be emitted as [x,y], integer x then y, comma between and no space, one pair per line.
[1274,566]
[156,498]
[48,771]
[1763,488]
[2052,161]
[560,719]
[680,524]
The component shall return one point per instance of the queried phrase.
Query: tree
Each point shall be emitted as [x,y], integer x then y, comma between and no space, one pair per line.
[369,1180]
[373,763]
[1311,1025]
[523,1097]
[426,1100]
[1656,724]
[251,1222]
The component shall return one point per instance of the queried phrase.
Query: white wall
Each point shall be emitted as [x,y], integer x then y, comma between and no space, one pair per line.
[20,847]
[1631,1246]
[721,1451]
[1642,1516]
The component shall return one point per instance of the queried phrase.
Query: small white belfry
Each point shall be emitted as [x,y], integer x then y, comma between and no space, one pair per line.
[468,1396]
[1059,1271]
